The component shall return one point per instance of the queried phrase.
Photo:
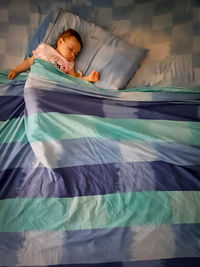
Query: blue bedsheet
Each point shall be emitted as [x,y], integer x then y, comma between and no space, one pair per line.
[95,177]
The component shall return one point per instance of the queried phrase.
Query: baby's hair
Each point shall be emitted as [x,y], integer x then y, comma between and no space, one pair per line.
[71,32]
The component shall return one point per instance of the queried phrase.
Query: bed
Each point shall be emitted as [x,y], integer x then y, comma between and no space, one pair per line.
[92,176]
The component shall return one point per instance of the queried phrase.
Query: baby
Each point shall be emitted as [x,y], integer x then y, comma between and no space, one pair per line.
[68,46]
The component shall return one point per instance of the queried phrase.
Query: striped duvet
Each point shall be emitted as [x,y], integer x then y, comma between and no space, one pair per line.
[96,177]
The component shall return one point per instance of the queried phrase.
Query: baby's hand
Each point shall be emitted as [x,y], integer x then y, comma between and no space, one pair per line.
[12,74]
[92,77]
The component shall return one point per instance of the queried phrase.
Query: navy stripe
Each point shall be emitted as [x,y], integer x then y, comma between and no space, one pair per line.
[51,101]
[176,262]
[172,177]
[65,103]
[98,179]
[35,182]
[11,107]
[183,262]
[128,177]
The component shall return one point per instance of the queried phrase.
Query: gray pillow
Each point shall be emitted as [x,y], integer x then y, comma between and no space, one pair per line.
[116,60]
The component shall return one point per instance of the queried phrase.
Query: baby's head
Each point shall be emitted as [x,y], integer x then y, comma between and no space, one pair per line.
[69,44]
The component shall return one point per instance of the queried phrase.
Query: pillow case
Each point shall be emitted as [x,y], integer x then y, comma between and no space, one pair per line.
[115,59]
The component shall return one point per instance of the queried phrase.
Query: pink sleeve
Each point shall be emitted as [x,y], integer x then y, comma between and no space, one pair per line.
[38,50]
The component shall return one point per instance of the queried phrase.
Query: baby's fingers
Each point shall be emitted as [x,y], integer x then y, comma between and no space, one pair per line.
[11,75]
[96,73]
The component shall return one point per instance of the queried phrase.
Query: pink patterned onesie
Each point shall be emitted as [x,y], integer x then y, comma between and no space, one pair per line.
[46,52]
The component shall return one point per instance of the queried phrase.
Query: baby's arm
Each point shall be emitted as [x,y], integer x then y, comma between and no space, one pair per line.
[92,77]
[21,67]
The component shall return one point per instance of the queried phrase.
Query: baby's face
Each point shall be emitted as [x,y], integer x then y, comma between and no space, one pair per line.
[68,47]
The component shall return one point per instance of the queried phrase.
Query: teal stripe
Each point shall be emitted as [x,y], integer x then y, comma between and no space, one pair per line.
[51,73]
[166,89]
[185,206]
[102,211]
[12,131]
[56,126]
[4,76]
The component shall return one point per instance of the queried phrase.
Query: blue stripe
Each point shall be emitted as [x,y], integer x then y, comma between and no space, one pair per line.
[99,245]
[98,179]
[103,245]
[78,151]
[51,101]
[10,245]
[10,156]
[14,87]
[89,151]
[186,239]
[176,153]
[121,243]
[11,107]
